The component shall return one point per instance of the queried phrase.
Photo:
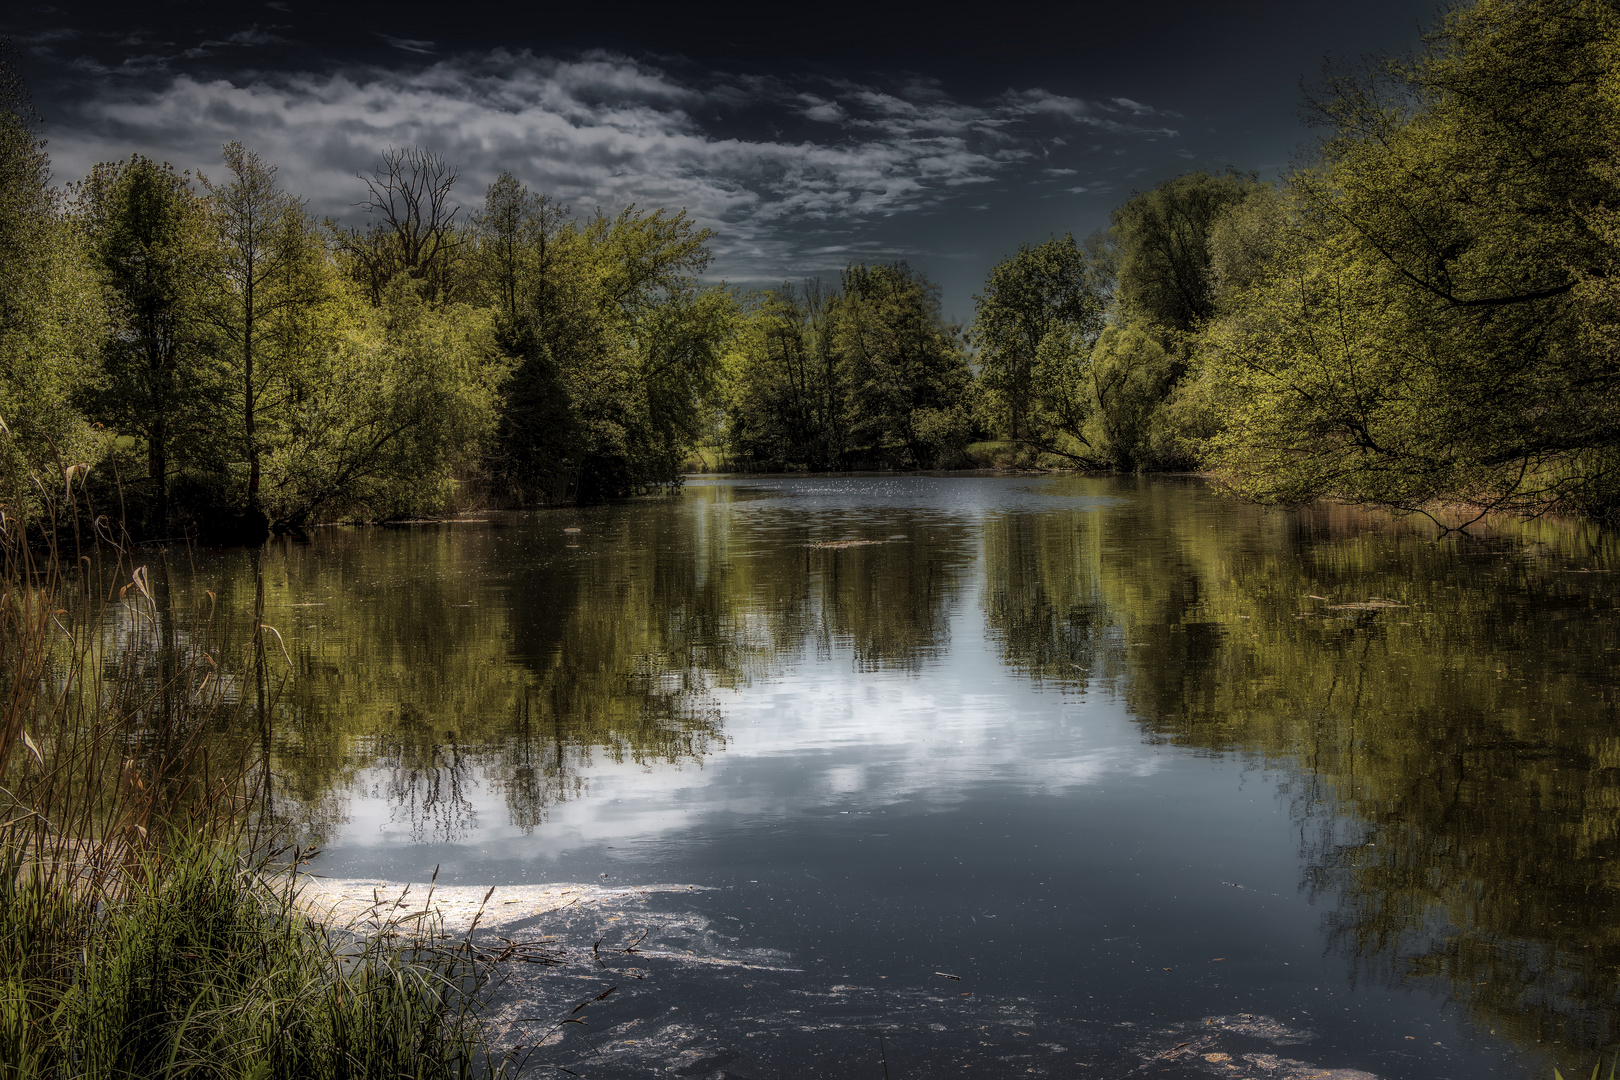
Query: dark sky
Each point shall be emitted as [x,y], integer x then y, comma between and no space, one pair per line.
[807,135]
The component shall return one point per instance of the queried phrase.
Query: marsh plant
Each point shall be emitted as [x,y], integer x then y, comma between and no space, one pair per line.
[149,926]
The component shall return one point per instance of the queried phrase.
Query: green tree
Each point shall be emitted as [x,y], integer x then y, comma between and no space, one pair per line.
[517,253]
[1056,290]
[151,247]
[49,310]
[1243,240]
[388,404]
[264,238]
[906,370]
[1163,240]
[1130,378]
[786,393]
[1423,334]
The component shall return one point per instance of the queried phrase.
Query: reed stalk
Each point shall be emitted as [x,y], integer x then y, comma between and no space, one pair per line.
[149,926]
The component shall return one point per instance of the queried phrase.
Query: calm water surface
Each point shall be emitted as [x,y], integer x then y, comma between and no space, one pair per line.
[1173,784]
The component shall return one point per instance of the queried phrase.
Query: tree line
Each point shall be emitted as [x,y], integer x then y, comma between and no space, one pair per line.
[200,354]
[1421,314]
[1424,314]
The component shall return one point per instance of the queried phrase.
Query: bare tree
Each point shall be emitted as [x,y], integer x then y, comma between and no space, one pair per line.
[413,224]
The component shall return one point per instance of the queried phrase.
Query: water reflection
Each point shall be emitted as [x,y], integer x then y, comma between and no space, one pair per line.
[1448,710]
[1445,711]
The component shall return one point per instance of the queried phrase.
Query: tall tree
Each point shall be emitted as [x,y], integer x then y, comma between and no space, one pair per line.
[787,394]
[413,227]
[1041,307]
[25,201]
[1163,239]
[263,236]
[1425,334]
[517,253]
[906,369]
[151,246]
[49,324]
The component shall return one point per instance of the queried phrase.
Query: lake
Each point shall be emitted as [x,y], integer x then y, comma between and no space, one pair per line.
[1062,776]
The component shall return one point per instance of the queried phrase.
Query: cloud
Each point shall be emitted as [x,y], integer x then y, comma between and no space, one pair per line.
[1100,115]
[252,37]
[602,129]
[414,45]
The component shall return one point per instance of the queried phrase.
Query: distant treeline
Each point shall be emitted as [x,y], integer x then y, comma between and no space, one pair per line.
[1425,313]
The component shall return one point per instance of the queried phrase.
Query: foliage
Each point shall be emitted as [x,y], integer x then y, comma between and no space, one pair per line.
[867,373]
[1425,314]
[1040,307]
[1130,379]
[153,254]
[391,402]
[905,366]
[1431,327]
[206,359]
[615,346]
[48,315]
[267,270]
[787,398]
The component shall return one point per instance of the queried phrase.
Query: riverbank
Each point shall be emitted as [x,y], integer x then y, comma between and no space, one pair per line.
[150,925]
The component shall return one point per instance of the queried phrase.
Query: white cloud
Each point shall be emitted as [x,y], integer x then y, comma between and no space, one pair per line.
[414,45]
[1037,102]
[604,129]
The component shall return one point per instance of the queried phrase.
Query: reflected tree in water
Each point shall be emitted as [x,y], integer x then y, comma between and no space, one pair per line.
[1446,709]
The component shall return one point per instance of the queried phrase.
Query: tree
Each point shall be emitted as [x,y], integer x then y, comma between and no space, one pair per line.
[1429,329]
[49,314]
[1163,239]
[413,226]
[1130,377]
[636,342]
[263,237]
[151,248]
[786,392]
[1054,288]
[25,209]
[1243,240]
[517,248]
[905,364]
[388,404]
[513,245]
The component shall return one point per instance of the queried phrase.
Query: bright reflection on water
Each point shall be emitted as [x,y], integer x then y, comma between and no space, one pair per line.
[1121,754]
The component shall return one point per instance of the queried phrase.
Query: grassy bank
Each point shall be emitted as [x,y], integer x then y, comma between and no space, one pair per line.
[200,965]
[148,925]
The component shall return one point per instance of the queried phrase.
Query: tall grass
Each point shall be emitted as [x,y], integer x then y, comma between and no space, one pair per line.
[147,926]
